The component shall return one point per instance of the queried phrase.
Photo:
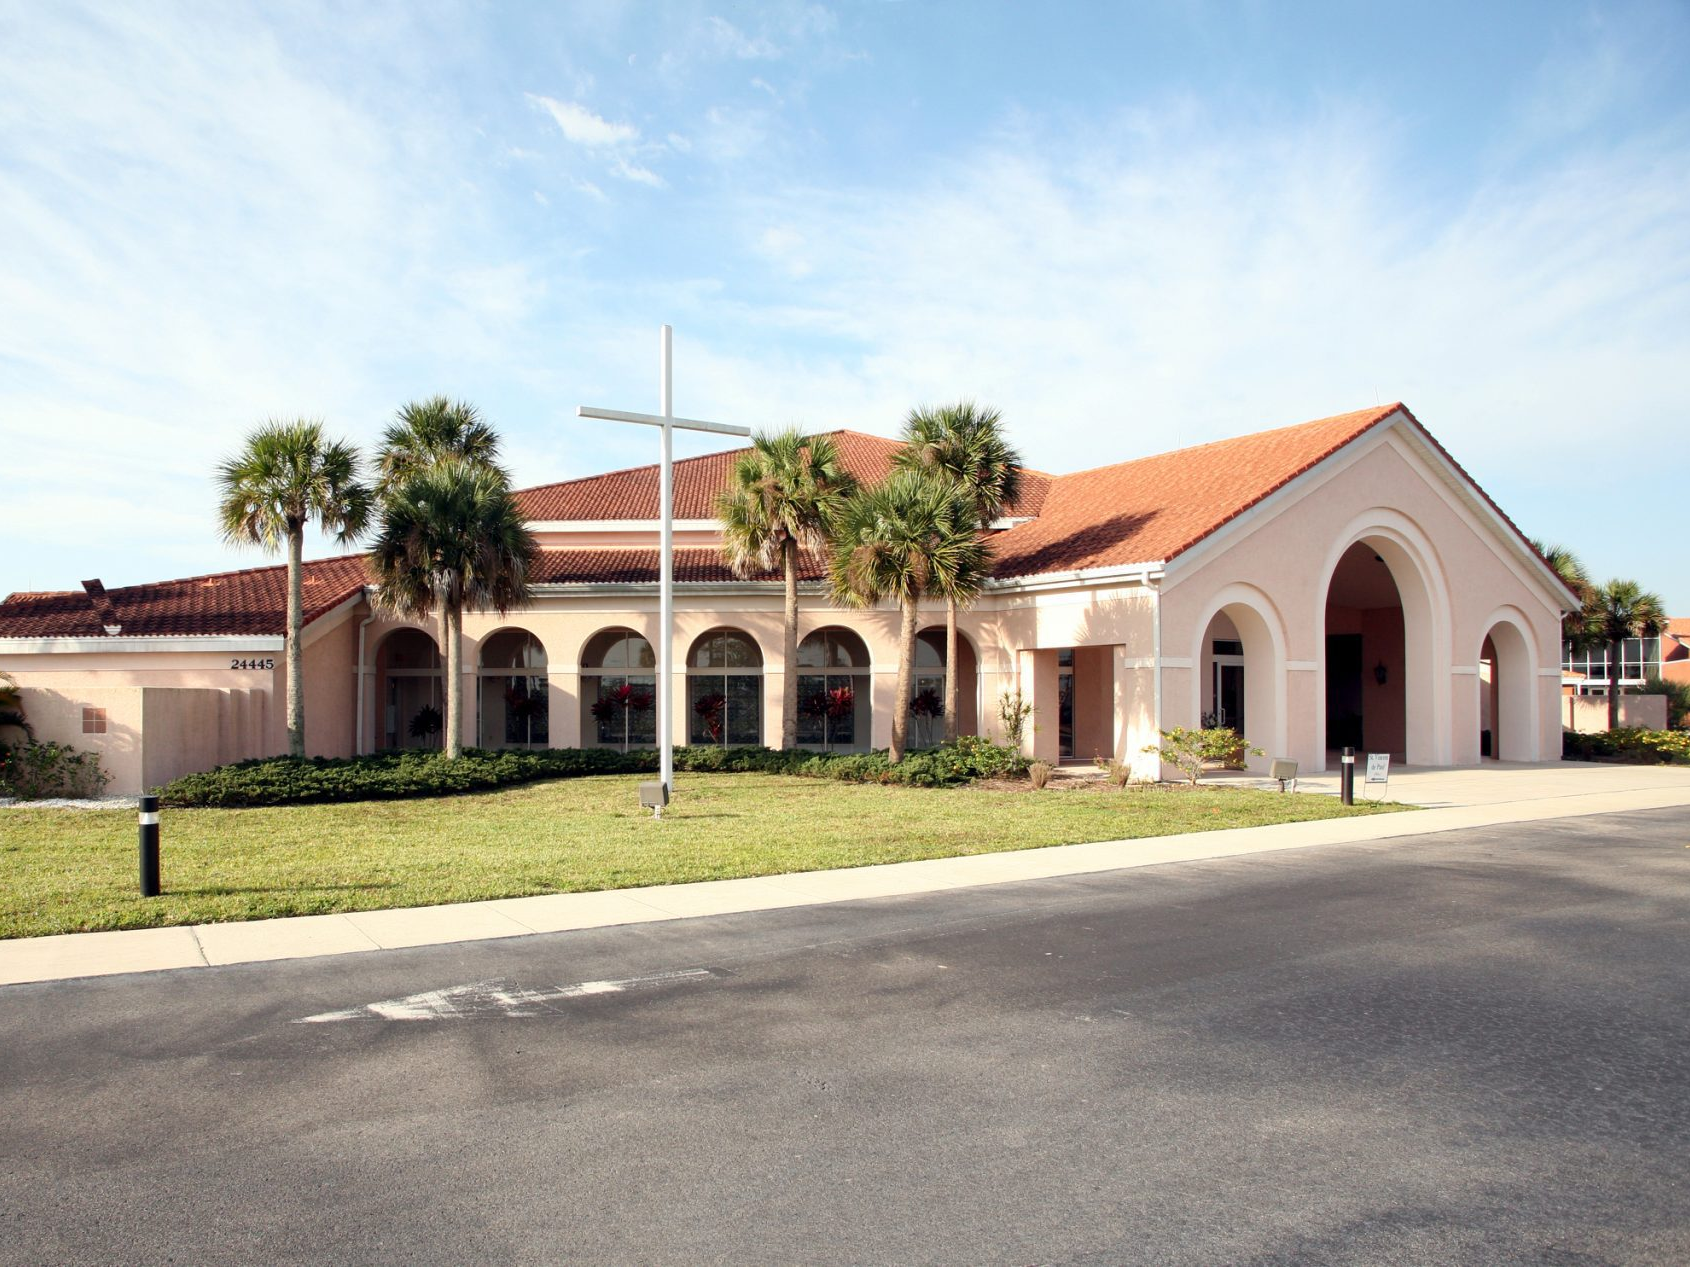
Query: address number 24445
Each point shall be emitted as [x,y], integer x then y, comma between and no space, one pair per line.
[252,664]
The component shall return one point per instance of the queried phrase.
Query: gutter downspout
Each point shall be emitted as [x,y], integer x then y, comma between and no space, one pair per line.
[359,751]
[1156,655]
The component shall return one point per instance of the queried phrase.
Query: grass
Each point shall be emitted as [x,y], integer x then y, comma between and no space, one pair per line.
[75,870]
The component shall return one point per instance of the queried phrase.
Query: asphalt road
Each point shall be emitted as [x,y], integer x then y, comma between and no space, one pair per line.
[1470,1048]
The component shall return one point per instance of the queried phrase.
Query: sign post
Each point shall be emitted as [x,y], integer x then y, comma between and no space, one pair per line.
[666,422]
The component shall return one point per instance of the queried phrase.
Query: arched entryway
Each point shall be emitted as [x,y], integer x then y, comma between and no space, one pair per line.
[1507,677]
[725,689]
[835,692]
[618,691]
[1240,678]
[927,692]
[410,685]
[512,707]
[1385,644]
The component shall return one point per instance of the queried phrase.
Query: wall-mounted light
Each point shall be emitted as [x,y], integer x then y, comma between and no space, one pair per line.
[1380,673]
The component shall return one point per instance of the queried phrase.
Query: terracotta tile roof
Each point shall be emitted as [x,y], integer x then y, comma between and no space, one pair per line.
[249,602]
[1145,511]
[637,566]
[632,494]
[1152,509]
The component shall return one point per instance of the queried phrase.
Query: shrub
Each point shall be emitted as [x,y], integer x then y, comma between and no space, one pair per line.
[1629,746]
[1039,772]
[1119,773]
[34,771]
[1188,750]
[393,775]
[1014,712]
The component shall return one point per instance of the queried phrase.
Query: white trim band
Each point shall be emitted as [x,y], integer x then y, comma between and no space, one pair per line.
[149,642]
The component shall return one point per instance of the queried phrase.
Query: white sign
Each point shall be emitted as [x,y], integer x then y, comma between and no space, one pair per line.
[1378,767]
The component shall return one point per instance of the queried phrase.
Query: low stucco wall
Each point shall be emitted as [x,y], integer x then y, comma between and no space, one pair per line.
[152,734]
[1588,714]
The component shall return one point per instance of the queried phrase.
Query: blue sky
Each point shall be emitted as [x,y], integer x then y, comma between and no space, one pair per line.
[1131,227]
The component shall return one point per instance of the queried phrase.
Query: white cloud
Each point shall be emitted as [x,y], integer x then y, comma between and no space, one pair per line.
[582,126]
[639,175]
[730,41]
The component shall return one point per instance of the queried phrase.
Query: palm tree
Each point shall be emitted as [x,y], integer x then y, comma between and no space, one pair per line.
[451,537]
[907,536]
[1612,613]
[963,442]
[286,474]
[787,490]
[11,707]
[1566,565]
[428,431]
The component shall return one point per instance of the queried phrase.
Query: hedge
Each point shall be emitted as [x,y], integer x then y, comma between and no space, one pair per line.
[1629,745]
[394,775]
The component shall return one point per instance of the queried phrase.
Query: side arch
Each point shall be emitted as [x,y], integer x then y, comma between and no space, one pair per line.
[1262,631]
[1516,720]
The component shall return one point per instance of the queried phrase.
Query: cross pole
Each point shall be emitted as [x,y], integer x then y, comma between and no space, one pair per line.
[666,422]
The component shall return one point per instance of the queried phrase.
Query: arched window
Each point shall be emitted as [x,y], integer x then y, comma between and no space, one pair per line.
[618,691]
[512,700]
[834,692]
[725,689]
[409,679]
[927,692]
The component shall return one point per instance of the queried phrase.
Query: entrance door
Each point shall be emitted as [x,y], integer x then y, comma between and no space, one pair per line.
[1229,692]
[1343,691]
[1065,704]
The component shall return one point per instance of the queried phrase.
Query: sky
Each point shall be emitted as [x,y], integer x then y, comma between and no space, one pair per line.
[1130,227]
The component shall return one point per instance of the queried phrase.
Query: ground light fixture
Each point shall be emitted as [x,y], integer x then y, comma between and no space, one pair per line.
[666,422]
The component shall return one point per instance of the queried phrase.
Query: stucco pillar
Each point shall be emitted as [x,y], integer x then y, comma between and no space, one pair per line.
[563,711]
[1041,685]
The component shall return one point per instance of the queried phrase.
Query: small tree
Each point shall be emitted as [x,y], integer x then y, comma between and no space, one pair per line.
[1188,750]
[1014,712]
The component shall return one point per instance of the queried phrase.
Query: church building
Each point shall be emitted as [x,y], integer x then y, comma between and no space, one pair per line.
[1339,582]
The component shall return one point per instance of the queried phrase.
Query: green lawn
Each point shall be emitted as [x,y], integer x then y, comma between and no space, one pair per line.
[75,870]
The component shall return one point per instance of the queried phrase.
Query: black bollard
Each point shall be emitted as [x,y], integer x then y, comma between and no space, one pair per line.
[1347,777]
[149,846]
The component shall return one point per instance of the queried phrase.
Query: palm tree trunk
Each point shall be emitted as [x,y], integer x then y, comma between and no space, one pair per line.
[906,675]
[950,670]
[296,634]
[789,682]
[454,680]
[1614,649]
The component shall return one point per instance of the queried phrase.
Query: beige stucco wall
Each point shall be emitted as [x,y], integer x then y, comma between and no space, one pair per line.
[1588,714]
[1457,582]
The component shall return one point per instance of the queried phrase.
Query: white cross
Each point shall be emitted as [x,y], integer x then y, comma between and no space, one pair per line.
[666,422]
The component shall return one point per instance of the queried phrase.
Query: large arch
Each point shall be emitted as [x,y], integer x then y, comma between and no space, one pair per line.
[1252,616]
[1422,597]
[618,674]
[725,688]
[835,691]
[410,689]
[512,705]
[929,675]
[1507,683]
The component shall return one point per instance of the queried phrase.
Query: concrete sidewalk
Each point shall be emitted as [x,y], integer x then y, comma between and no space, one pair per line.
[1459,798]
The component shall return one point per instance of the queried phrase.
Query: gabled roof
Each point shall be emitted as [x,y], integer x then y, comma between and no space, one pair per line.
[1147,511]
[1152,509]
[252,601]
[632,493]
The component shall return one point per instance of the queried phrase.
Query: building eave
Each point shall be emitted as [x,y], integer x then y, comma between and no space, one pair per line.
[132,643]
